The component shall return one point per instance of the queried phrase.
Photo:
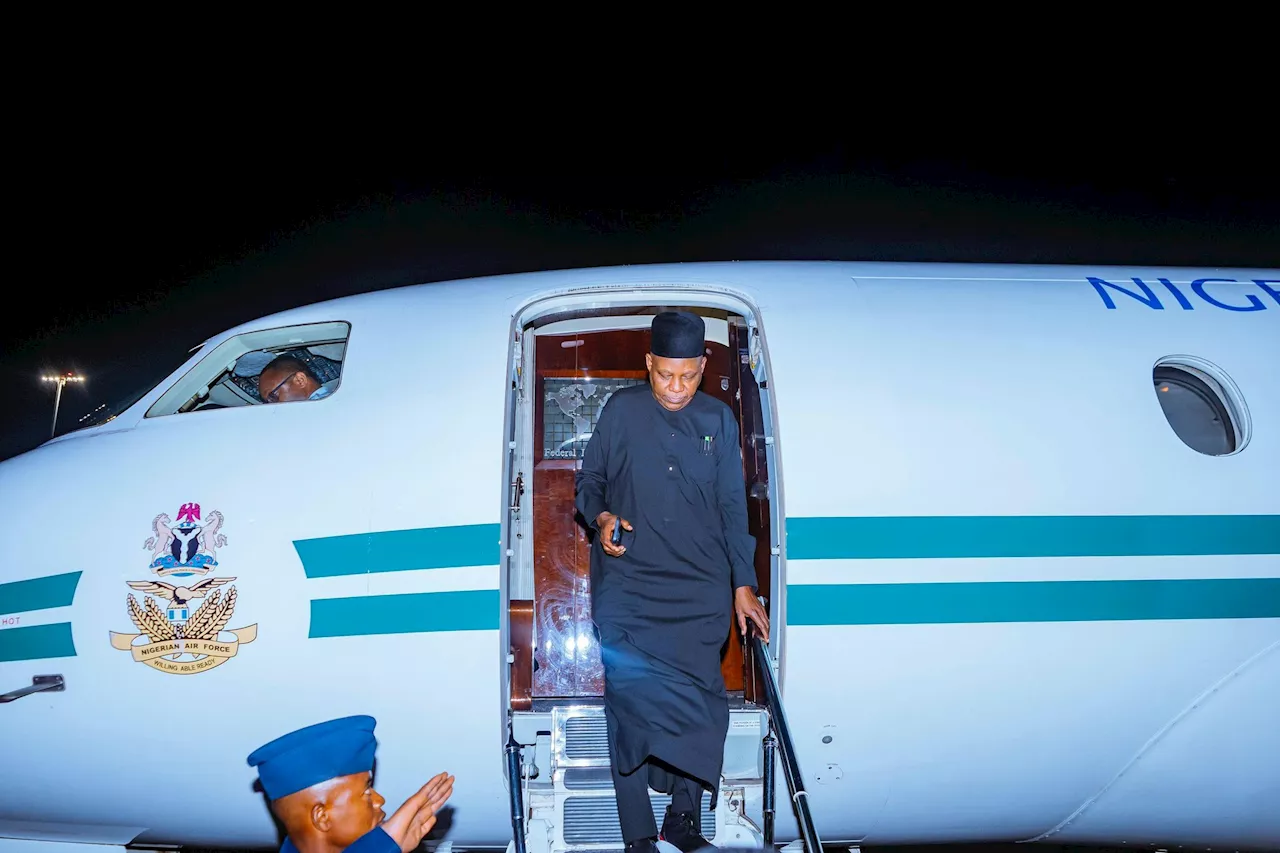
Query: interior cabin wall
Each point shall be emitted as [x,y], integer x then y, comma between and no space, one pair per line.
[553,639]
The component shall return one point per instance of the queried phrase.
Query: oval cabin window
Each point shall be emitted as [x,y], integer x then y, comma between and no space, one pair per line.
[1200,408]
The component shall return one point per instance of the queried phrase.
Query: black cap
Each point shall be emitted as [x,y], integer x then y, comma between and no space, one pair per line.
[678,334]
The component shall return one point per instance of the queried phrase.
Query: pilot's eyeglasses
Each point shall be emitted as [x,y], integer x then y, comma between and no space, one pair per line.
[274,396]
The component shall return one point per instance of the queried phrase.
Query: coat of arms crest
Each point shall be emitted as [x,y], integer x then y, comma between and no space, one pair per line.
[188,546]
[179,636]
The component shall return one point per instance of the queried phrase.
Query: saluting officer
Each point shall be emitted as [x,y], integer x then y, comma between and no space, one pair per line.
[319,780]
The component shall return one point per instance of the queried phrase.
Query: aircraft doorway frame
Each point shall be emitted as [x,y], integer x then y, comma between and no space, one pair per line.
[516,507]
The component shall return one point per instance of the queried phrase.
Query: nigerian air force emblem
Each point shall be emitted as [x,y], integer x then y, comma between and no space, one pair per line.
[182,627]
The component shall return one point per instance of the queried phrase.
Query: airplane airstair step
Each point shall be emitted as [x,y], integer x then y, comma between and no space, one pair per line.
[573,809]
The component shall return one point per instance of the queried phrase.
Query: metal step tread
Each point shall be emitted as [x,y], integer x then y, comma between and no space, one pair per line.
[580,735]
[575,805]
[593,819]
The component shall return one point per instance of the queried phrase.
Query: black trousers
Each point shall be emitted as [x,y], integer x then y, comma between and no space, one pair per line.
[635,810]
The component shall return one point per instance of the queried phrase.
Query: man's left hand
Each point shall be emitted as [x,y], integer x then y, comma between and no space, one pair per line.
[747,606]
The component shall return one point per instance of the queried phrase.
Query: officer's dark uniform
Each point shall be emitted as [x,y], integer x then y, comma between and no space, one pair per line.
[663,608]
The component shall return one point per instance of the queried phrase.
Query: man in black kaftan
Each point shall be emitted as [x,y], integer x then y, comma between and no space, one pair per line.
[665,464]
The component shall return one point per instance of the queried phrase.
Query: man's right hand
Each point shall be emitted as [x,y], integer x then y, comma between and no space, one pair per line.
[605,523]
[413,820]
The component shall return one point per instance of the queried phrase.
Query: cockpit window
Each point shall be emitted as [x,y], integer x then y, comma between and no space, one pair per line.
[107,412]
[289,364]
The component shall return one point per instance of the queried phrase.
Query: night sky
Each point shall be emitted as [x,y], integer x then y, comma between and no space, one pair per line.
[132,263]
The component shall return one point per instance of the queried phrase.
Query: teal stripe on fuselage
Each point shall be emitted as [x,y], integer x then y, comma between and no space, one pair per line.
[400,550]
[39,593]
[902,537]
[893,537]
[1032,601]
[37,642]
[408,613]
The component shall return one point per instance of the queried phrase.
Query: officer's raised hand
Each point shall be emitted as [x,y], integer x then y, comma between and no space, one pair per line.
[747,606]
[605,523]
[413,820]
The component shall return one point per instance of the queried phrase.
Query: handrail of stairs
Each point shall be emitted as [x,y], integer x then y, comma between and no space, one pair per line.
[778,722]
[517,795]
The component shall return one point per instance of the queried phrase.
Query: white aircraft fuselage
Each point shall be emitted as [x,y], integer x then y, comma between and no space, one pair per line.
[1017,594]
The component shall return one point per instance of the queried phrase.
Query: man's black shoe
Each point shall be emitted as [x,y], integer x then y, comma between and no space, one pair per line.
[681,830]
[643,845]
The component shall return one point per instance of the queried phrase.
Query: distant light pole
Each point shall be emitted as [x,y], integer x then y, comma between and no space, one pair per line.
[61,380]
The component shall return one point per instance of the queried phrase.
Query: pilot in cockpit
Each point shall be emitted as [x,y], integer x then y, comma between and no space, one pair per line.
[287,379]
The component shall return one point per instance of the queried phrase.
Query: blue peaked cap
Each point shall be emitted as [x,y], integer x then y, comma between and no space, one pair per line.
[315,754]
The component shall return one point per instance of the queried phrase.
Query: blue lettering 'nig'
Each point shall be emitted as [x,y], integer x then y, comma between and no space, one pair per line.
[1148,296]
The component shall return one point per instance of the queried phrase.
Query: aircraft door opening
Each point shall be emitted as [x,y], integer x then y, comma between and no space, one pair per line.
[572,373]
[567,360]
